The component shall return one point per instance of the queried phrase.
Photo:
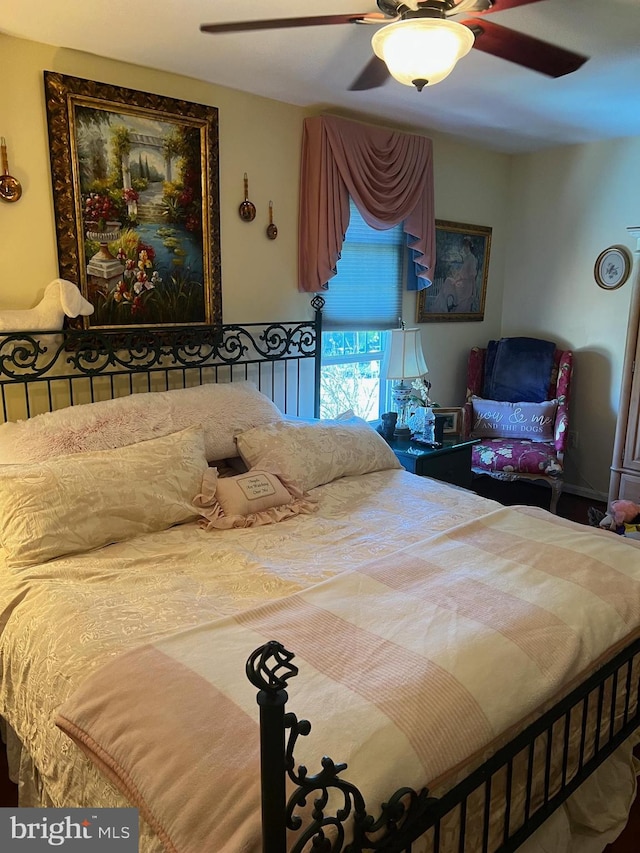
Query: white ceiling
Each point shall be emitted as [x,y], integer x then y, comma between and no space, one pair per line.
[488,100]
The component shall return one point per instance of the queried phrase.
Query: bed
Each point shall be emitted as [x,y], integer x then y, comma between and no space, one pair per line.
[474,666]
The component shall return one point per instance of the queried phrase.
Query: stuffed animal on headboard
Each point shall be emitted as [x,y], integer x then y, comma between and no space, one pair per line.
[60,298]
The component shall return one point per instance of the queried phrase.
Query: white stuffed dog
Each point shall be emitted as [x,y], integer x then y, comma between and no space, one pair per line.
[60,297]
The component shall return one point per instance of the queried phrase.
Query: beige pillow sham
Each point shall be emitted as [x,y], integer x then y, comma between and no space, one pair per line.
[223,409]
[80,502]
[310,454]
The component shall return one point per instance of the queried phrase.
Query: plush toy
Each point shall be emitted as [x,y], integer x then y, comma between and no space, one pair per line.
[60,297]
[625,511]
[623,518]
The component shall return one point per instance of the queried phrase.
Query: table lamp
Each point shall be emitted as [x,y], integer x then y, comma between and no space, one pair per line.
[403,359]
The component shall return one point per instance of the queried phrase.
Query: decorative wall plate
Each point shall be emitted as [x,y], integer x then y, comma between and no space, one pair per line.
[612,267]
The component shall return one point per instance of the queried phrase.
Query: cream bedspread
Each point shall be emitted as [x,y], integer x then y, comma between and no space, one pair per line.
[69,617]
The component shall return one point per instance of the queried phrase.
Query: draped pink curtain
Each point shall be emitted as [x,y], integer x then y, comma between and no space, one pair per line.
[388,174]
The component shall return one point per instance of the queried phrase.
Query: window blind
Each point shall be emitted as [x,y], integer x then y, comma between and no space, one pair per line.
[366,293]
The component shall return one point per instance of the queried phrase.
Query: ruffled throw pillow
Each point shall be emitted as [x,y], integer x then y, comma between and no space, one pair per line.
[248,500]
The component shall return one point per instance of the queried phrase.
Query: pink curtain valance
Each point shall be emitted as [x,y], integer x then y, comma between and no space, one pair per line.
[389,176]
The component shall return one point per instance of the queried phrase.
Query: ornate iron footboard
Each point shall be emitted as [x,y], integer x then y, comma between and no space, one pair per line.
[612,694]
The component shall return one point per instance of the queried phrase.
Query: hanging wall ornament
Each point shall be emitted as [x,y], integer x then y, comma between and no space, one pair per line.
[247,209]
[272,231]
[10,187]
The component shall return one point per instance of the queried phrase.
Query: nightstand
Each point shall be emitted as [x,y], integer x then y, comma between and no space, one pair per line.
[450,463]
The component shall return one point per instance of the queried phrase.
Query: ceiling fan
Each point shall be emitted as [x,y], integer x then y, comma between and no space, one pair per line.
[412,37]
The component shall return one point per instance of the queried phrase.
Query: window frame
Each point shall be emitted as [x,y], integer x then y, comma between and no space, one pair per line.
[403,260]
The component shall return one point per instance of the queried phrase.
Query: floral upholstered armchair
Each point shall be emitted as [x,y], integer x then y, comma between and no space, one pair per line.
[509,458]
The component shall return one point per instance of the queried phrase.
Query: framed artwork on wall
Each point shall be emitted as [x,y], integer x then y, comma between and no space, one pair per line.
[136,199]
[612,267]
[459,285]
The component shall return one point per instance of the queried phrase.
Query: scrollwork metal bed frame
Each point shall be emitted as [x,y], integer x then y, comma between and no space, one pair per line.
[37,369]
[408,815]
[45,370]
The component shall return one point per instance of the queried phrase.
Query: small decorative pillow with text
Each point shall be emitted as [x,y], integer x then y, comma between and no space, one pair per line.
[495,419]
[80,502]
[248,500]
[310,454]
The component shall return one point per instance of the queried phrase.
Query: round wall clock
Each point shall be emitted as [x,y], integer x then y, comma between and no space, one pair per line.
[612,267]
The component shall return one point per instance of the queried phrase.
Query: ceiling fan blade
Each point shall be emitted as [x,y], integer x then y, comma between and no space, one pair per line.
[522,49]
[374,74]
[484,7]
[501,5]
[282,23]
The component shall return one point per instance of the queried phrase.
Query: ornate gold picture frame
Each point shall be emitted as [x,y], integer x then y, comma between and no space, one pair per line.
[136,199]
[459,287]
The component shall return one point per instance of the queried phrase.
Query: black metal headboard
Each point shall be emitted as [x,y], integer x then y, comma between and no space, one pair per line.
[43,371]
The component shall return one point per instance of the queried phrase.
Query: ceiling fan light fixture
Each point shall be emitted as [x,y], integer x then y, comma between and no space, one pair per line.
[422,51]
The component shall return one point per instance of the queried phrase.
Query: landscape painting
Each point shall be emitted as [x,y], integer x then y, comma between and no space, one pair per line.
[138,215]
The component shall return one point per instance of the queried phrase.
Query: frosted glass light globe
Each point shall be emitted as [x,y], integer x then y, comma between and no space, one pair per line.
[422,51]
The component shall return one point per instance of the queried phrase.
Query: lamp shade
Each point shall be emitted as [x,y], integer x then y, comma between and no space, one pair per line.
[422,51]
[403,358]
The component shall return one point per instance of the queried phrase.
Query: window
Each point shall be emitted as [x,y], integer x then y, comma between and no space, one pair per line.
[364,299]
[350,375]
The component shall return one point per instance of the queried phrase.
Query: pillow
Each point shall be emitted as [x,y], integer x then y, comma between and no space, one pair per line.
[223,410]
[248,500]
[79,502]
[496,419]
[310,454]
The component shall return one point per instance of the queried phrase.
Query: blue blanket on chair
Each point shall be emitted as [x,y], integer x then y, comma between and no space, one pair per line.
[518,369]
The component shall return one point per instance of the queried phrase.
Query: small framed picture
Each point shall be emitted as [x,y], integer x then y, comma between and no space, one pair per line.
[452,420]
[612,267]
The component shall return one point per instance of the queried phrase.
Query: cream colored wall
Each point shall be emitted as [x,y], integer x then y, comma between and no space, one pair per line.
[261,137]
[551,214]
[567,205]
[257,136]
[471,186]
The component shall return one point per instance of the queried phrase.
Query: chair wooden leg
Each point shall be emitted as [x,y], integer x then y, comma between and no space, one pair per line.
[556,488]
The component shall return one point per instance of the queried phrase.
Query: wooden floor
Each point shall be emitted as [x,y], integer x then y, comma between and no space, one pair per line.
[569,506]
[629,841]
[8,792]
